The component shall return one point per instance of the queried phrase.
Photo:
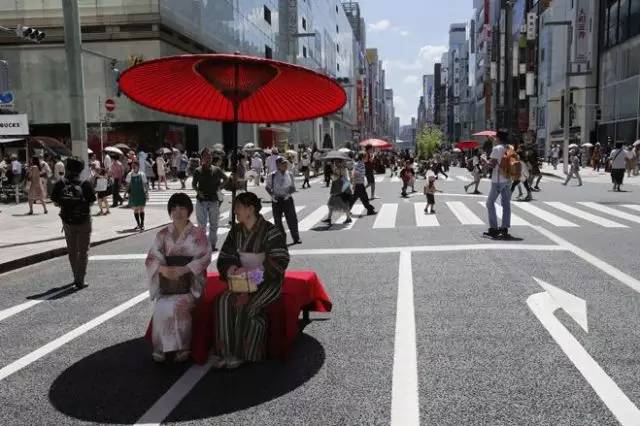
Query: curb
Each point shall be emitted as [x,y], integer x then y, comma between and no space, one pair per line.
[57,252]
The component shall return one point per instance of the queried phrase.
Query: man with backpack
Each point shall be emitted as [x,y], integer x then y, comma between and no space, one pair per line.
[74,197]
[505,165]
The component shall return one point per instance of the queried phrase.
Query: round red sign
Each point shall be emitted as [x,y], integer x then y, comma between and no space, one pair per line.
[109,105]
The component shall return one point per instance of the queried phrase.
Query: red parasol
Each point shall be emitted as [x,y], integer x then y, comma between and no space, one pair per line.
[489,133]
[377,143]
[467,145]
[232,88]
[208,87]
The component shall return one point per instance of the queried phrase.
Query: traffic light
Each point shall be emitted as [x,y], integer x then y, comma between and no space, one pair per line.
[29,33]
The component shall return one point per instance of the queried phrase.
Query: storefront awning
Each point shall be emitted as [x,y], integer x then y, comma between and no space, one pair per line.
[10,140]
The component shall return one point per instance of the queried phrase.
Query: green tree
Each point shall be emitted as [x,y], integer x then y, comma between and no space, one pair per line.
[428,142]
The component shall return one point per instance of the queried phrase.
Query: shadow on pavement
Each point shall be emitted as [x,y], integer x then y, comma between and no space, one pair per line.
[117,385]
[63,291]
[26,243]
[228,391]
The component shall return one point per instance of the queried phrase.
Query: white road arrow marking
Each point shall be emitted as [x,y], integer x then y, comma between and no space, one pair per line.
[543,305]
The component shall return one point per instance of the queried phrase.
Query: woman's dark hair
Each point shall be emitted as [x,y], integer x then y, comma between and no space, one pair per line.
[249,199]
[35,161]
[180,199]
[619,144]
[74,166]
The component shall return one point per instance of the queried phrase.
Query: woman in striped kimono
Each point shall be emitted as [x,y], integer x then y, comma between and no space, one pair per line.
[241,322]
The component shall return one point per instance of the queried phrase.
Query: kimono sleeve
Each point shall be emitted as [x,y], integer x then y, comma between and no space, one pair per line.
[201,260]
[276,257]
[228,255]
[155,259]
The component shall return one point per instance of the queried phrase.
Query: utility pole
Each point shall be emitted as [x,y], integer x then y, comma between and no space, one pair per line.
[567,93]
[73,50]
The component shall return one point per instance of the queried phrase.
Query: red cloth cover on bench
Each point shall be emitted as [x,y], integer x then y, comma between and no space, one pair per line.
[301,290]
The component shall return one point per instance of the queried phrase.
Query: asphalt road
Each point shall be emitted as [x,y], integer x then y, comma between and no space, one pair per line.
[432,324]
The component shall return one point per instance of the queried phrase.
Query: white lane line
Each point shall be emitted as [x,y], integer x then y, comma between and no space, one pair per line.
[66,338]
[515,220]
[543,306]
[379,250]
[598,220]
[386,217]
[405,404]
[379,179]
[553,219]
[632,207]
[464,178]
[463,213]
[423,219]
[9,312]
[176,393]
[612,271]
[312,220]
[610,211]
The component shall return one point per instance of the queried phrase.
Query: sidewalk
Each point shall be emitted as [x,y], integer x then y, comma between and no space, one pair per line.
[25,239]
[587,174]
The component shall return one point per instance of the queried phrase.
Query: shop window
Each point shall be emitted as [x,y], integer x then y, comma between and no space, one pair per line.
[623,19]
[268,52]
[267,14]
[304,24]
[634,18]
[304,51]
[612,38]
[338,48]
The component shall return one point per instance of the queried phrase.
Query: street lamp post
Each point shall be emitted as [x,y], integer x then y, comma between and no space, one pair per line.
[567,94]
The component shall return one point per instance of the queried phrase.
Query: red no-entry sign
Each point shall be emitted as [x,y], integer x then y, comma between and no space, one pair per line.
[109,105]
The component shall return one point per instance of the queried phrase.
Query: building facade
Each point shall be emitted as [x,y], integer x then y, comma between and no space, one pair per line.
[123,33]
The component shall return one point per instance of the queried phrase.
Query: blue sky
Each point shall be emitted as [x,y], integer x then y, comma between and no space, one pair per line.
[410,35]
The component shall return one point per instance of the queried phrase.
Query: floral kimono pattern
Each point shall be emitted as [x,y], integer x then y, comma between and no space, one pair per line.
[172,313]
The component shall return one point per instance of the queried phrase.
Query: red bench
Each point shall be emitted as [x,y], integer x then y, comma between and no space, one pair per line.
[302,291]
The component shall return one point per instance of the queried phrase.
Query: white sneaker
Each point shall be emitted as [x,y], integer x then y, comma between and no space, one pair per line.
[233,362]
[158,356]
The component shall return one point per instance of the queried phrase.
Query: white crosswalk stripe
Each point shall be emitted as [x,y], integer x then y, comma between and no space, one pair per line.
[386,217]
[598,220]
[464,178]
[632,207]
[424,219]
[460,211]
[463,213]
[545,215]
[515,219]
[396,179]
[610,211]
[379,179]
[312,220]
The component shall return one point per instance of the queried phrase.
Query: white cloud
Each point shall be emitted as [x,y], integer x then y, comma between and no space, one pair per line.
[427,56]
[381,25]
[404,33]
[411,79]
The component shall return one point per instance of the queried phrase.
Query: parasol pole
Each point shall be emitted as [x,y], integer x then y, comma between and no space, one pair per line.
[234,135]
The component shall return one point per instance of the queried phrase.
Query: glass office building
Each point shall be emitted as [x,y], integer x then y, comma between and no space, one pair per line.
[129,31]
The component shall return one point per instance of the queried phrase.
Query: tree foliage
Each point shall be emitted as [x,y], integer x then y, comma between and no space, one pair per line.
[428,142]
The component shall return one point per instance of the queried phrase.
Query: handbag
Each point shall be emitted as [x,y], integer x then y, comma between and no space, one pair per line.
[183,284]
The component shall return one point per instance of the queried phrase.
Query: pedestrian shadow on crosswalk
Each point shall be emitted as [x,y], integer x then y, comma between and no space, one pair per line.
[120,383]
[55,293]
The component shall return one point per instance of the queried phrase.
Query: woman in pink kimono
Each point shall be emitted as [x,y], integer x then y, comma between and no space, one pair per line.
[176,272]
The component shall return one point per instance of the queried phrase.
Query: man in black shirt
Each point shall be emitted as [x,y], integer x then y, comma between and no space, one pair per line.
[74,197]
[207,181]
